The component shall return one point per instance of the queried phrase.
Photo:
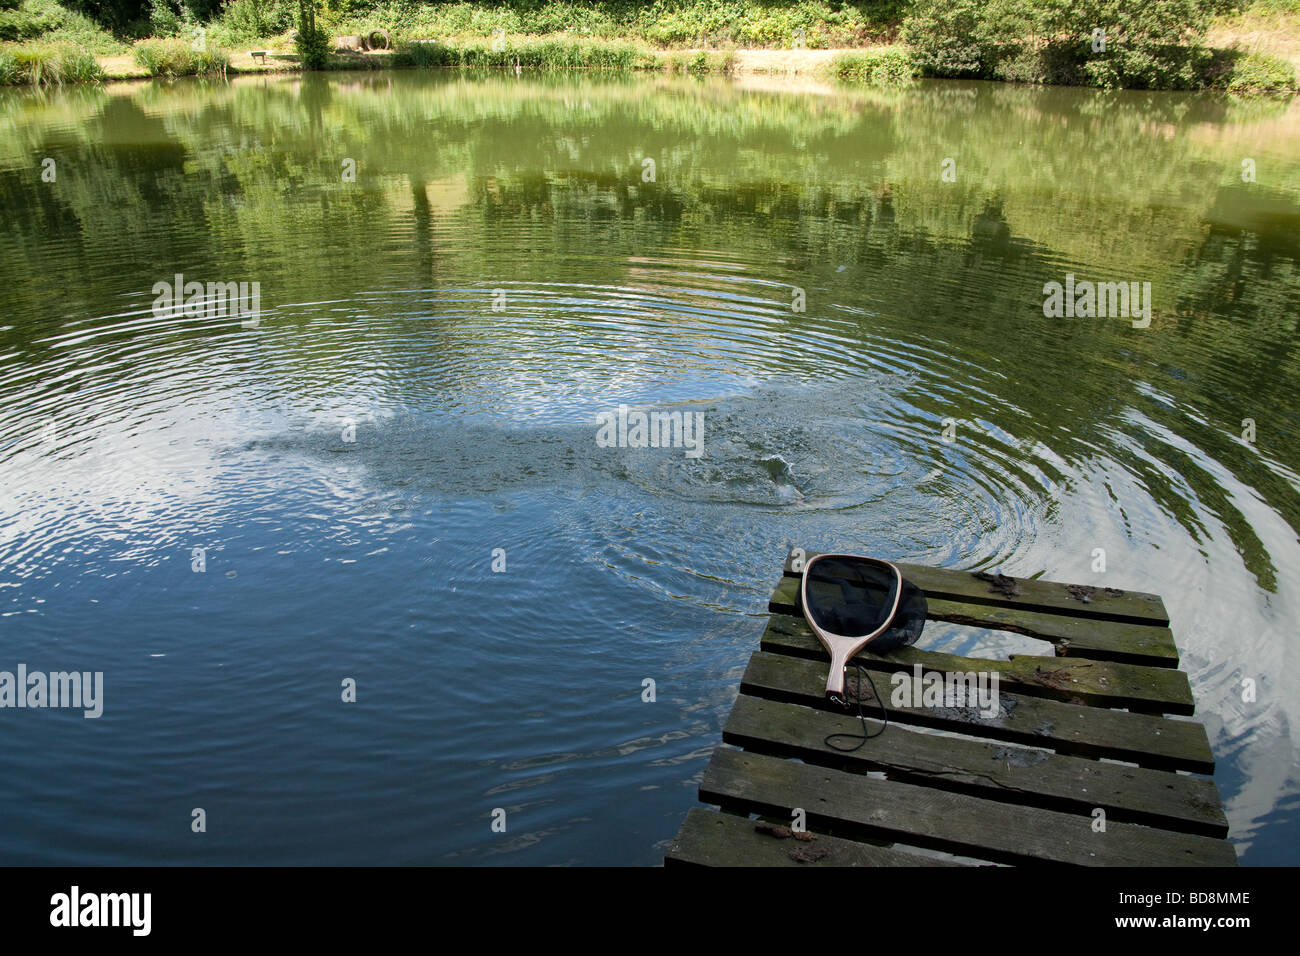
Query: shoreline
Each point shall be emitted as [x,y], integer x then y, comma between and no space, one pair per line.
[1279,38]
[758,61]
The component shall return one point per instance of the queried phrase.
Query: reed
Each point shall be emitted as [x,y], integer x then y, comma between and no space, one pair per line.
[48,65]
[889,66]
[556,54]
[179,58]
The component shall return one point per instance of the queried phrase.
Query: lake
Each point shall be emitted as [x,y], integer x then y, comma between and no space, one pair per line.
[377,473]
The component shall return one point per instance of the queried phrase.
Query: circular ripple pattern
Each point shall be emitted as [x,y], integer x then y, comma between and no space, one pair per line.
[396,474]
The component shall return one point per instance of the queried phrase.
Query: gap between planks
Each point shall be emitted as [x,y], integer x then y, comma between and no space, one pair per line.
[1135,607]
[1150,645]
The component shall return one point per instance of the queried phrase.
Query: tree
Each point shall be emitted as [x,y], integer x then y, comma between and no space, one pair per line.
[312,42]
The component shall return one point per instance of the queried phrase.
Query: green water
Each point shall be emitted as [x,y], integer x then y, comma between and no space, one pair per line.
[465,271]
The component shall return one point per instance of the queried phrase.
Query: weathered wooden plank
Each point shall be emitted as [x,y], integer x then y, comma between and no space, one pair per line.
[1056,597]
[1152,690]
[1071,636]
[708,838]
[846,803]
[1146,740]
[1075,785]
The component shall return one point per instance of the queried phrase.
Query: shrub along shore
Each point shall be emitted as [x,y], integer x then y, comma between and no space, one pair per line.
[1251,46]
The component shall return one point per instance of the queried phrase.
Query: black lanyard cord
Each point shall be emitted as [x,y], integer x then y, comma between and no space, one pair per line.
[864,736]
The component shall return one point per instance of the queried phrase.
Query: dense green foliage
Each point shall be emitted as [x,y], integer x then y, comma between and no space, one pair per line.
[250,20]
[814,23]
[17,23]
[665,22]
[1260,73]
[1107,43]
[24,20]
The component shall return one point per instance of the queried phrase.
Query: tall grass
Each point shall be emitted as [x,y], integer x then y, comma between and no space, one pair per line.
[554,54]
[48,65]
[179,58]
[424,55]
[693,61]
[890,66]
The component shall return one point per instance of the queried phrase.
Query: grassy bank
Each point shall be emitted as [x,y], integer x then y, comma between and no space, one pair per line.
[877,42]
[663,24]
[43,65]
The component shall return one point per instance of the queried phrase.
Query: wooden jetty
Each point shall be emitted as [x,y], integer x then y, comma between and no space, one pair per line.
[1091,728]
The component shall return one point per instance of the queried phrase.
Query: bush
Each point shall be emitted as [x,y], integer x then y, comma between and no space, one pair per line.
[22,23]
[26,20]
[1147,45]
[179,58]
[945,38]
[1155,67]
[314,47]
[166,18]
[1045,63]
[892,66]
[246,21]
[1260,73]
